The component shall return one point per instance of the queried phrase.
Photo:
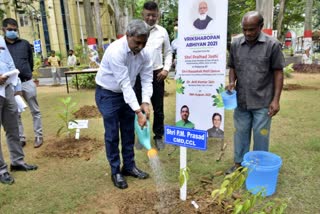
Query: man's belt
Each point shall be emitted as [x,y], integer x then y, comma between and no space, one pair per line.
[25,79]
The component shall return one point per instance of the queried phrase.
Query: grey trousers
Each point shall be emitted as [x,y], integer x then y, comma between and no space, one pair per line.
[9,120]
[56,75]
[29,93]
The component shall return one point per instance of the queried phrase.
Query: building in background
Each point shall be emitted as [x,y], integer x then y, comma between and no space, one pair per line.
[47,20]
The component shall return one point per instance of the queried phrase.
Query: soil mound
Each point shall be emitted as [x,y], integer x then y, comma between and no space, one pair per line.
[84,148]
[306,68]
[87,112]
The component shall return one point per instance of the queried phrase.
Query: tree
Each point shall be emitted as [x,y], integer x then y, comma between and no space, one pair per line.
[280,18]
[236,10]
[123,10]
[98,23]
[88,18]
[308,15]
[308,25]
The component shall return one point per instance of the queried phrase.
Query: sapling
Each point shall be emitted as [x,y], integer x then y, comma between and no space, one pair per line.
[288,70]
[183,176]
[67,116]
[247,203]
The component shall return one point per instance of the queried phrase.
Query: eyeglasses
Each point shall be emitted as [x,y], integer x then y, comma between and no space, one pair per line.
[11,29]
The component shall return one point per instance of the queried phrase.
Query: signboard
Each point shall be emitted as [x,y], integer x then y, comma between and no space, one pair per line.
[37,46]
[81,124]
[191,138]
[201,65]
[200,75]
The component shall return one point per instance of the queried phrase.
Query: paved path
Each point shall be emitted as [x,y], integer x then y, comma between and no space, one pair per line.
[49,81]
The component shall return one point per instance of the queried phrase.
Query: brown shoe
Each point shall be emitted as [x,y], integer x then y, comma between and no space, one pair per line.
[38,141]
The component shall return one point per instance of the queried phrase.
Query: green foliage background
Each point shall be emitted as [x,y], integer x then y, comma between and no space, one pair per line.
[293,17]
[84,81]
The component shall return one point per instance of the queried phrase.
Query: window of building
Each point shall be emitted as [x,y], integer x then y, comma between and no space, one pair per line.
[24,20]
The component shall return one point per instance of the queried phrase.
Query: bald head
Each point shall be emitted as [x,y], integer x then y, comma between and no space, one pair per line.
[252,23]
[253,16]
[203,7]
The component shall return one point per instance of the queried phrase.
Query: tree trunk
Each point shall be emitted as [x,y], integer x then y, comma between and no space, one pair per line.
[98,23]
[122,16]
[88,17]
[68,23]
[280,18]
[265,7]
[308,25]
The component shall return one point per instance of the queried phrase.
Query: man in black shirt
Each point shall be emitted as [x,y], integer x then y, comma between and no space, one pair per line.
[21,53]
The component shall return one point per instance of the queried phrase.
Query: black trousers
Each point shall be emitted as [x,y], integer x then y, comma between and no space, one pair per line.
[157,103]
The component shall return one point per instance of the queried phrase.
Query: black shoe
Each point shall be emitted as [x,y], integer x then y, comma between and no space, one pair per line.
[38,141]
[23,143]
[159,143]
[135,172]
[23,167]
[232,169]
[6,178]
[119,181]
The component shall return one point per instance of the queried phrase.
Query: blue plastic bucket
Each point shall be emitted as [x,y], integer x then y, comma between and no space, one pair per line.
[229,99]
[263,170]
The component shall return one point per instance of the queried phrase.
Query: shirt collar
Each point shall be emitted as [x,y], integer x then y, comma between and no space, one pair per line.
[126,46]
[261,38]
[15,41]
[155,27]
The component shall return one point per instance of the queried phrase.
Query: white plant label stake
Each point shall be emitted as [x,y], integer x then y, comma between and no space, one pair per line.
[80,124]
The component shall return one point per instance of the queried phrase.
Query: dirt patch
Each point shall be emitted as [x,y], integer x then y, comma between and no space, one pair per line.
[306,68]
[84,148]
[87,111]
[147,198]
[132,201]
[291,87]
[166,202]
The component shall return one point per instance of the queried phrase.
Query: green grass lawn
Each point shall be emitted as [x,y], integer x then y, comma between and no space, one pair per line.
[83,186]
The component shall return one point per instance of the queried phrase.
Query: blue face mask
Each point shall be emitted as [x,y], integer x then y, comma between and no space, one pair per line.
[11,34]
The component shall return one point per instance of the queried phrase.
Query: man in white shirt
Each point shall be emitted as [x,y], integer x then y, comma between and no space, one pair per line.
[159,47]
[121,63]
[72,59]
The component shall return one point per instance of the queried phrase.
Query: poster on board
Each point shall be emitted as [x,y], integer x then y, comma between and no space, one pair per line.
[201,65]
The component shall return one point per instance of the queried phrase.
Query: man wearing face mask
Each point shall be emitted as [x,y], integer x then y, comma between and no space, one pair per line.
[204,20]
[9,120]
[159,47]
[21,53]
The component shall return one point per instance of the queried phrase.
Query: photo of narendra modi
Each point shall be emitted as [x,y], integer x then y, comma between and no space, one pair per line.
[203,20]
